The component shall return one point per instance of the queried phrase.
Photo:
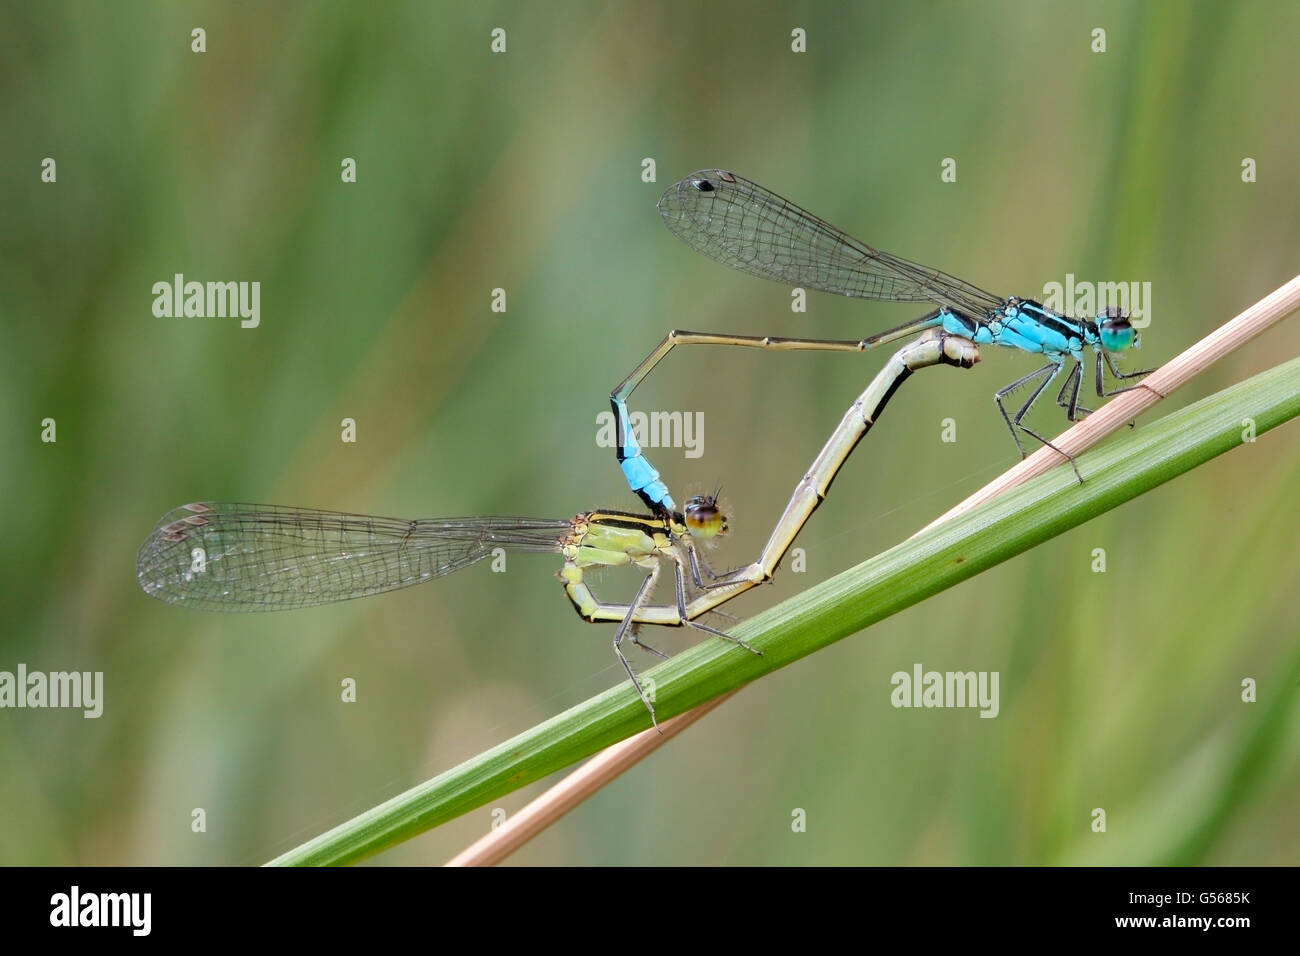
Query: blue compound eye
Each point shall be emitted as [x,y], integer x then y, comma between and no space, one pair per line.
[1116,333]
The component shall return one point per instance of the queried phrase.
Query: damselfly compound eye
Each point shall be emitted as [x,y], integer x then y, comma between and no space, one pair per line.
[1117,333]
[704,518]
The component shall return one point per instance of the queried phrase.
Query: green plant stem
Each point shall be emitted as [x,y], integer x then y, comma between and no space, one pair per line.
[847,603]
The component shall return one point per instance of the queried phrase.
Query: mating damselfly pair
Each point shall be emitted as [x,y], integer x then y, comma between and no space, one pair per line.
[240,557]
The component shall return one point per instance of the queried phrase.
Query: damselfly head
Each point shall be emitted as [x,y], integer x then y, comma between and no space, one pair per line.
[704,517]
[1117,333]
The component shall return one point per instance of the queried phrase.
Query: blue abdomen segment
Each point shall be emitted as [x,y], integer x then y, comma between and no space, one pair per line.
[641,476]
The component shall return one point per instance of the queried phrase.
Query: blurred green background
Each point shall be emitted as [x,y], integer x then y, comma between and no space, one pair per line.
[522,171]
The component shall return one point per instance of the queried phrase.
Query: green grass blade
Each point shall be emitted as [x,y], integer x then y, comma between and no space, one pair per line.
[843,605]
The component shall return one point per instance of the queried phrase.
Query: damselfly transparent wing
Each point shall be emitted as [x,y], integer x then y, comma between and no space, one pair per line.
[243,557]
[747,227]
